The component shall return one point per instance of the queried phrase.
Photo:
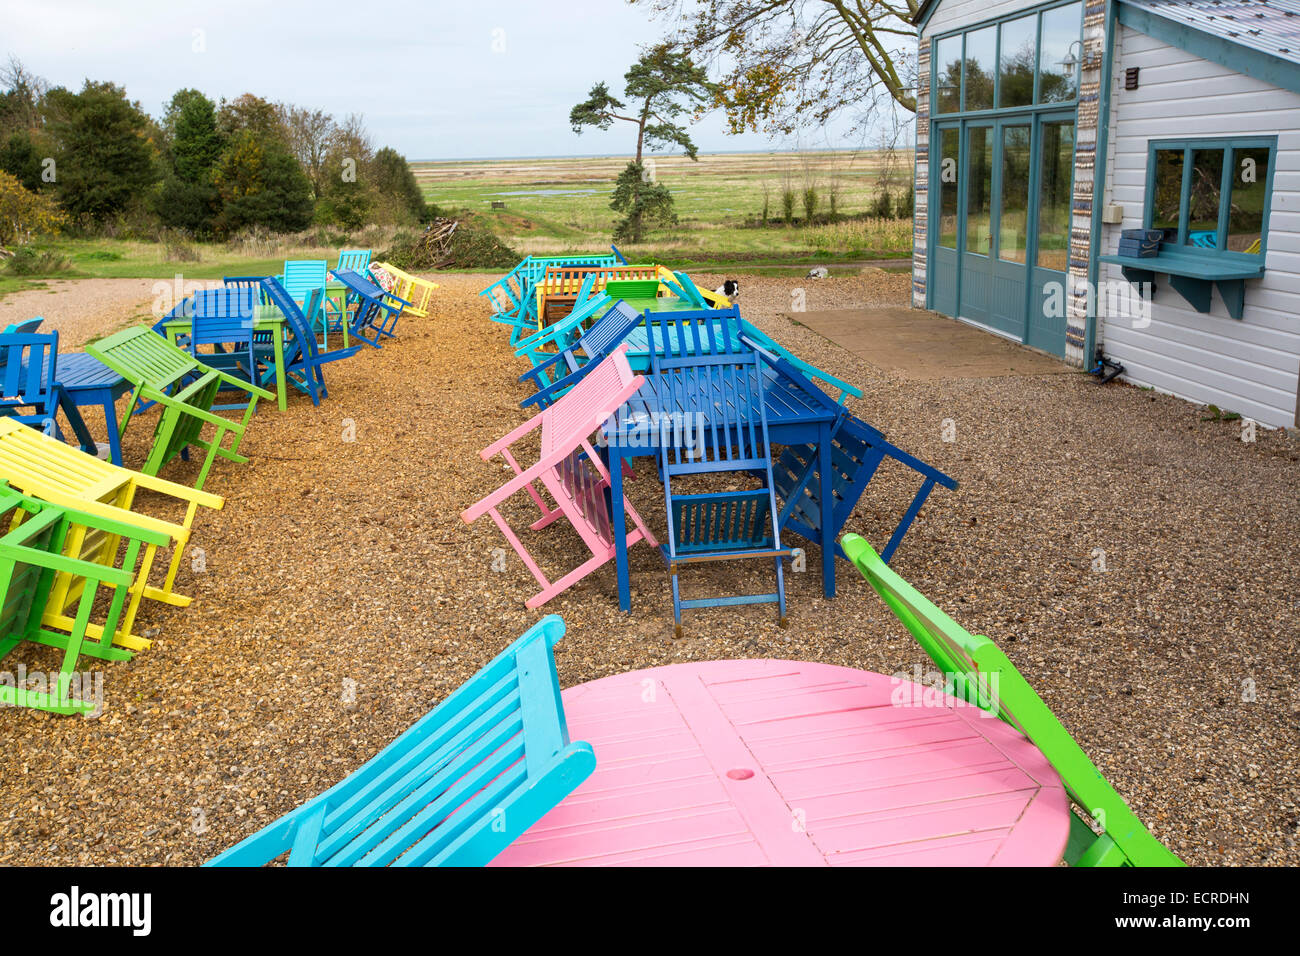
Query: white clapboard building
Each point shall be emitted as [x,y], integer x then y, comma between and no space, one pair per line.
[1119,176]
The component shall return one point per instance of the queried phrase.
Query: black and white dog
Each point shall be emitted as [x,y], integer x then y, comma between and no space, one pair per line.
[730,288]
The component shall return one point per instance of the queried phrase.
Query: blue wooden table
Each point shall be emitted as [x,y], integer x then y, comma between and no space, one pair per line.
[797,413]
[87,382]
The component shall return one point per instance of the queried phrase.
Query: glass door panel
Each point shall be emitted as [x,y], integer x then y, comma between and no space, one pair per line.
[1013,214]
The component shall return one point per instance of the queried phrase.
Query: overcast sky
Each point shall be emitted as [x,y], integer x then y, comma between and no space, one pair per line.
[434,80]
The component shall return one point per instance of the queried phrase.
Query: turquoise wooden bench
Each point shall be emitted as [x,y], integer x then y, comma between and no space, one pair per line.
[454,790]
[976,670]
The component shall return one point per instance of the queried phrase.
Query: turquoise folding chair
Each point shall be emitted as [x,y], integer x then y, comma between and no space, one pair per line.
[358,260]
[454,790]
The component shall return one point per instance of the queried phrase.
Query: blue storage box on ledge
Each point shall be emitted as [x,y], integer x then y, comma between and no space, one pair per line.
[1138,248]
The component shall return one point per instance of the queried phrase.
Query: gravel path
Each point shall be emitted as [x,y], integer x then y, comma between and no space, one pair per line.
[84,309]
[343,596]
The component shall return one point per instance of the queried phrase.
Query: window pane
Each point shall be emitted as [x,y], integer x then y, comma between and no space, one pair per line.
[1246,214]
[1206,191]
[1016,63]
[1059,68]
[1167,197]
[1054,196]
[981,51]
[1013,217]
[948,160]
[947,75]
[979,189]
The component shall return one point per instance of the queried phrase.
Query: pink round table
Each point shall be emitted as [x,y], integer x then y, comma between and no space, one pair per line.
[788,763]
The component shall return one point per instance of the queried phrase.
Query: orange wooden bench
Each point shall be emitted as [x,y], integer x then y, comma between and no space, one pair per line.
[557,293]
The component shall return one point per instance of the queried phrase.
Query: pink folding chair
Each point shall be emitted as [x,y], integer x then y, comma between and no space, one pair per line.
[571,472]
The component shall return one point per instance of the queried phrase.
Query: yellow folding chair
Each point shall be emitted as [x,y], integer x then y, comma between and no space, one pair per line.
[411,288]
[46,468]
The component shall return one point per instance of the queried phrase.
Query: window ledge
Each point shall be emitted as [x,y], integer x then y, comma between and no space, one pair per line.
[1193,277]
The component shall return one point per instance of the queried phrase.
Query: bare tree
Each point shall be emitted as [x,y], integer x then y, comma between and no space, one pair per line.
[790,64]
[309,133]
[21,93]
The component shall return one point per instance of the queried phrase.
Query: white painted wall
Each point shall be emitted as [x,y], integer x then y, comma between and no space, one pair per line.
[1249,366]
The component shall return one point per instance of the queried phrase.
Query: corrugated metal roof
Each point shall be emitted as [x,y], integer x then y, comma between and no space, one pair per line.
[1270,26]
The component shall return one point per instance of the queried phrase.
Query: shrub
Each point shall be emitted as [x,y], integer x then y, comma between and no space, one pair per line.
[787,204]
[884,208]
[906,202]
[26,261]
[24,213]
[810,198]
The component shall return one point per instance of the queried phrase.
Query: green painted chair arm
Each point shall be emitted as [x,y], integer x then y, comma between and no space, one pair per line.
[59,562]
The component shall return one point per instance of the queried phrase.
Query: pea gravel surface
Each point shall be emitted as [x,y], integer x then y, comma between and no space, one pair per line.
[1138,564]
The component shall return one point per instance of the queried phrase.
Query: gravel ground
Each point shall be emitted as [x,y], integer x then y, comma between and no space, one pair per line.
[343,596]
[83,309]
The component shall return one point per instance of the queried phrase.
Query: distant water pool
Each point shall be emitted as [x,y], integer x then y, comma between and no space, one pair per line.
[547,192]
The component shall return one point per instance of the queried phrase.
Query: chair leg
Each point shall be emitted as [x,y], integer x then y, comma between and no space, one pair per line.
[780,592]
[677,605]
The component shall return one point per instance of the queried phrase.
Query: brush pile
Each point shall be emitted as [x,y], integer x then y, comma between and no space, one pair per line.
[450,244]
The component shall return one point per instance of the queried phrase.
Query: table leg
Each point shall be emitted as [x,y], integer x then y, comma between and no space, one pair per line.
[614,462]
[824,466]
[110,420]
[76,422]
[279,369]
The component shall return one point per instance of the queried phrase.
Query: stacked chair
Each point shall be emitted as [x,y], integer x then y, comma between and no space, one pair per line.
[702,343]
[85,545]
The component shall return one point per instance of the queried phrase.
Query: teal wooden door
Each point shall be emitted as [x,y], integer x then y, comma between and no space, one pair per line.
[1050,212]
[945,220]
[975,290]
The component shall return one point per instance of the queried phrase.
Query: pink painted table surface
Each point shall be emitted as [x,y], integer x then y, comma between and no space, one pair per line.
[770,762]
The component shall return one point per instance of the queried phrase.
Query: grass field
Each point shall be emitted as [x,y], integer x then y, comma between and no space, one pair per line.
[138,259]
[562,205]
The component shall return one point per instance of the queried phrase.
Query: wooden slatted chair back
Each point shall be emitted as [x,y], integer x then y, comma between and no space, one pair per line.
[412,288]
[302,275]
[678,336]
[28,379]
[46,468]
[457,787]
[358,260]
[24,327]
[977,671]
[555,376]
[565,280]
[295,316]
[726,391]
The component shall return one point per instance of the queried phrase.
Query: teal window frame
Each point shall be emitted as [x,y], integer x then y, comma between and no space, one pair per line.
[997,64]
[1229,144]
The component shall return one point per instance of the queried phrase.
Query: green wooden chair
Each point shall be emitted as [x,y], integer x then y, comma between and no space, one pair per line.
[183,388]
[31,555]
[1103,830]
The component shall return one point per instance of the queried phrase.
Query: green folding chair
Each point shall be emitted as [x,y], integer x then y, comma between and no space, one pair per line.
[185,390]
[31,555]
[1103,830]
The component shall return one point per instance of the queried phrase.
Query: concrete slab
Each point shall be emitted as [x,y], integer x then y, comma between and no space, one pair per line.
[924,346]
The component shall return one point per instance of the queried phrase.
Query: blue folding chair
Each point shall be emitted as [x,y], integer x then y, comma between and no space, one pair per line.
[376,312]
[303,359]
[713,419]
[29,386]
[223,318]
[559,373]
[455,789]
